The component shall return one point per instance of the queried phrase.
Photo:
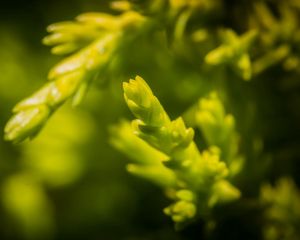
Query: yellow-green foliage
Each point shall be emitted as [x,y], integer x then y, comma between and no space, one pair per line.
[227,73]
[198,179]
[70,78]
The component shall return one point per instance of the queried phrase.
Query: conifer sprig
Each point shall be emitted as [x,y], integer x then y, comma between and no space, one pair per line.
[70,78]
[200,177]
[234,52]
[219,130]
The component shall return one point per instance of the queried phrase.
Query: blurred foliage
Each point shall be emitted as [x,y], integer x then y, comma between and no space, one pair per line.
[282,210]
[230,69]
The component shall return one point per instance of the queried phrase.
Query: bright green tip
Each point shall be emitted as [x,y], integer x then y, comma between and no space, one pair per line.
[26,124]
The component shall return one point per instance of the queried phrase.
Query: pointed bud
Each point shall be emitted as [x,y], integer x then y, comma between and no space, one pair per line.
[143,104]
[26,124]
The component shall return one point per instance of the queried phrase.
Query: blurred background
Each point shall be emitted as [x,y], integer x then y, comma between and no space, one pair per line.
[70,183]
